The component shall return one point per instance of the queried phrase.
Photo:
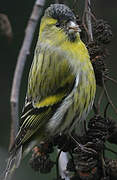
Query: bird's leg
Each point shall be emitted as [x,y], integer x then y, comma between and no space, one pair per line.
[83,148]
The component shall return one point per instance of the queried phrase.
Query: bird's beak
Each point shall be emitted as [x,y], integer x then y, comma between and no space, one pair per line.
[73,27]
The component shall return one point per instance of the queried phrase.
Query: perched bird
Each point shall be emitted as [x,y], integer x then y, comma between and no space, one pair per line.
[61,84]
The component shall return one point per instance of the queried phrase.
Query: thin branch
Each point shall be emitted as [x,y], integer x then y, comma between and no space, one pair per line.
[105,111]
[88,19]
[83,23]
[92,15]
[111,79]
[95,109]
[24,52]
[111,150]
[99,100]
[108,97]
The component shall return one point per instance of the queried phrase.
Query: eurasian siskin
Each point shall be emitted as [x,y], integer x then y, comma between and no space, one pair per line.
[61,84]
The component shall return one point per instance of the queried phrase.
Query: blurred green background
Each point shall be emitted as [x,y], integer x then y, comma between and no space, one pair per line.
[18,13]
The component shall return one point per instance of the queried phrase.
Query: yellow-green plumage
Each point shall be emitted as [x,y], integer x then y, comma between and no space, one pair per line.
[61,83]
[63,62]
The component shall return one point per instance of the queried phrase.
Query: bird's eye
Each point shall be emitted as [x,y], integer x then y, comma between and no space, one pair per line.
[57,24]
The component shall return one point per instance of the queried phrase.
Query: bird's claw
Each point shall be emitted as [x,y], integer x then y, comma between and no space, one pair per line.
[85,149]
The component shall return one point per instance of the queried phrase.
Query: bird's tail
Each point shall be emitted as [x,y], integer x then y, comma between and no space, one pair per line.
[12,163]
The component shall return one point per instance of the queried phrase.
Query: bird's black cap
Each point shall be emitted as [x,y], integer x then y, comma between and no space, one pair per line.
[60,12]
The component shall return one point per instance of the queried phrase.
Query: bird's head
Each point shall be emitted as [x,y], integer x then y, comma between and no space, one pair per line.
[59,22]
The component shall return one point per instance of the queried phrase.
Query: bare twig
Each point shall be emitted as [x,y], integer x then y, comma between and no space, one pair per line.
[105,111]
[111,79]
[24,52]
[108,97]
[84,25]
[87,13]
[95,109]
[92,15]
[99,100]
[88,18]
[111,150]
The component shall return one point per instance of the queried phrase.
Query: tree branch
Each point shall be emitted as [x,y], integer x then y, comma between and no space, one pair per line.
[88,18]
[24,52]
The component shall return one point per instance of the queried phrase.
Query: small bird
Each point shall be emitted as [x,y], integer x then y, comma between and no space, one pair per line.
[61,84]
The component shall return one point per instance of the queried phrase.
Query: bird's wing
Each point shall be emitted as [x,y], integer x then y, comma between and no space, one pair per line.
[51,79]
